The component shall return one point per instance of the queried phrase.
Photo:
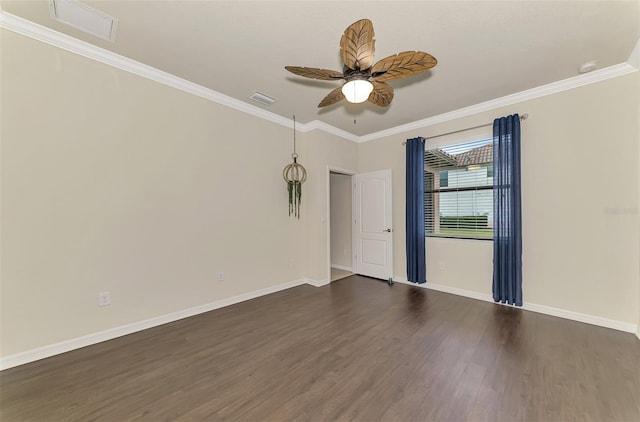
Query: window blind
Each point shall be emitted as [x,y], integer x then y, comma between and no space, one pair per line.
[459,190]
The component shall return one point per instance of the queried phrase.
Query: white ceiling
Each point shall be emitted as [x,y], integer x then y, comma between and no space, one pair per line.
[485,49]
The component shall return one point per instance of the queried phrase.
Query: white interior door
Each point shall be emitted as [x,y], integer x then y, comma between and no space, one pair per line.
[372,224]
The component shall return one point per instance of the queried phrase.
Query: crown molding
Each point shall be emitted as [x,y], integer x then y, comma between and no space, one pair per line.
[317,124]
[49,36]
[508,100]
[57,39]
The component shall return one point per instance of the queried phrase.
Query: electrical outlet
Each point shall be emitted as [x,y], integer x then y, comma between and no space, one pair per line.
[220,276]
[441,266]
[104,299]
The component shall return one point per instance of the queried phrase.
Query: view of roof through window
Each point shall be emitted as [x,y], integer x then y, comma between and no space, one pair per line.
[468,153]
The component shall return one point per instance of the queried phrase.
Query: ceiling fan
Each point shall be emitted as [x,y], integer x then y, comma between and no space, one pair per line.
[364,79]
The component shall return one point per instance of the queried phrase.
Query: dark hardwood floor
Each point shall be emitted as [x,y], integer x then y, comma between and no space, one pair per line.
[356,350]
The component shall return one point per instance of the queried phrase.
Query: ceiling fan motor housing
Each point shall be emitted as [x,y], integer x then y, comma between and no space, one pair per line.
[351,74]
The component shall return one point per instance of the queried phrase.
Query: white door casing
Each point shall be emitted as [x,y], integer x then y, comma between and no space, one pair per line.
[372,225]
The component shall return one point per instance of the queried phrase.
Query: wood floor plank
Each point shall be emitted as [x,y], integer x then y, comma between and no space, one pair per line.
[356,350]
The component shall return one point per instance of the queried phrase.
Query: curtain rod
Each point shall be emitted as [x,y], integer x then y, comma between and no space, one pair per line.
[522,117]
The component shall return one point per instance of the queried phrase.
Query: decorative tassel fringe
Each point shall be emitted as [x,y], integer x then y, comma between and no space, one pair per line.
[295,197]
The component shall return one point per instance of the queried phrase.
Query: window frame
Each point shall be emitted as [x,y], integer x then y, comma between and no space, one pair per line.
[436,175]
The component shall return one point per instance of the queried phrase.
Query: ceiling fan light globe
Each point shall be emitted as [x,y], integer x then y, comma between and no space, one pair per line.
[357,90]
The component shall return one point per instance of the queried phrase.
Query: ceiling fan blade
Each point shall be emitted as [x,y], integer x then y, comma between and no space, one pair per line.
[381,95]
[401,65]
[333,97]
[357,45]
[315,73]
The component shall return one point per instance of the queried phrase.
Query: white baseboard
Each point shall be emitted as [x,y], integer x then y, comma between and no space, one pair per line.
[342,267]
[577,316]
[317,283]
[542,309]
[94,338]
[447,289]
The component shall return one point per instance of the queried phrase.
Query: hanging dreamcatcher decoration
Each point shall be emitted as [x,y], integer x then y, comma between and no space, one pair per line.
[295,175]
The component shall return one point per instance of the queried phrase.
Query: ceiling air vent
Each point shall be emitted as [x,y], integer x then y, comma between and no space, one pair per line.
[262,98]
[84,18]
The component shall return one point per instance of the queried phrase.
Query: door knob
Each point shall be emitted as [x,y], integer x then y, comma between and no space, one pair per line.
[387,230]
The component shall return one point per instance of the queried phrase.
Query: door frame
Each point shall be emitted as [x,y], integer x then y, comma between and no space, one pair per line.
[347,172]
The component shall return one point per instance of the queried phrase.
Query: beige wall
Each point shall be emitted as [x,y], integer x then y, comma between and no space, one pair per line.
[111,182]
[341,220]
[580,225]
[320,152]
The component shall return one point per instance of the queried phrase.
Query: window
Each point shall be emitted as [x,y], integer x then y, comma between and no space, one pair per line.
[444,179]
[458,183]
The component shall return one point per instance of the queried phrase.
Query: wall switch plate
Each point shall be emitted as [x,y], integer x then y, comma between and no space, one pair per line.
[220,276]
[104,299]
